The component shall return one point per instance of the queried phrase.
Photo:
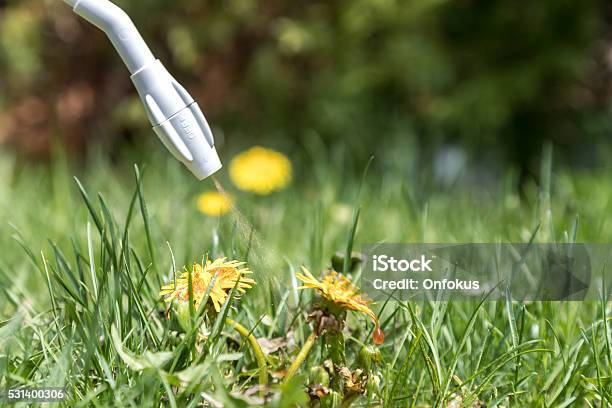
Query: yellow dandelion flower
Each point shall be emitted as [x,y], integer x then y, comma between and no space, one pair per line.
[225,274]
[336,288]
[214,203]
[260,170]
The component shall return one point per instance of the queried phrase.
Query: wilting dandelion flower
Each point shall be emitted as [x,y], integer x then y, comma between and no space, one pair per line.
[225,274]
[339,295]
[337,289]
[213,203]
[260,170]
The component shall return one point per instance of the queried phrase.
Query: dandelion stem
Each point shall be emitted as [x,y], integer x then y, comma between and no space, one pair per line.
[259,355]
[349,398]
[310,341]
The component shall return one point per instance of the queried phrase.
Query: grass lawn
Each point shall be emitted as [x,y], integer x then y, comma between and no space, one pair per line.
[81,266]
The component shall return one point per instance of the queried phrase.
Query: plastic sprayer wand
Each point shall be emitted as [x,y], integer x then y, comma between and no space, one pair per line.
[176,117]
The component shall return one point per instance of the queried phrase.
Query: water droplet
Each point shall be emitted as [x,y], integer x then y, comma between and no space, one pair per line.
[378,336]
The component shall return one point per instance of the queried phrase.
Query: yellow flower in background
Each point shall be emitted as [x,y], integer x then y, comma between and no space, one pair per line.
[260,170]
[225,274]
[214,203]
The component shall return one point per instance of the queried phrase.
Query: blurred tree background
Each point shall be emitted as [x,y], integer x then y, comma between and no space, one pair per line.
[494,77]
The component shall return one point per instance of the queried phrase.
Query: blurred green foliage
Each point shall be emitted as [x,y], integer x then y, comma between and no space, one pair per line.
[495,75]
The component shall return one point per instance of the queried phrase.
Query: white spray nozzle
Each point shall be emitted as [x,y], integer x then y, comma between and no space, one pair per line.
[176,117]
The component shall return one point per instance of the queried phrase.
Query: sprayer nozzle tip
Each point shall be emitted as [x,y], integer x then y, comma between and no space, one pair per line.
[203,167]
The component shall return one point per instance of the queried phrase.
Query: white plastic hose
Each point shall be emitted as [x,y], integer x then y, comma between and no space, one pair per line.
[176,117]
